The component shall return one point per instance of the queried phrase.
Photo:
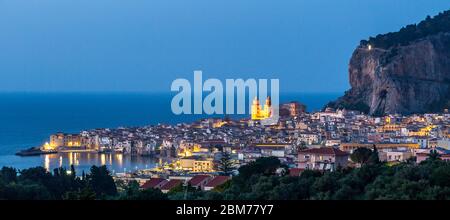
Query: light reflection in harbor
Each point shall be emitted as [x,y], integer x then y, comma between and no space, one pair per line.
[119,159]
[103,159]
[84,161]
[75,159]
[70,156]
[47,162]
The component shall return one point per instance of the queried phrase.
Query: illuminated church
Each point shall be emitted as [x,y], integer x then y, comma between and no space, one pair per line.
[260,113]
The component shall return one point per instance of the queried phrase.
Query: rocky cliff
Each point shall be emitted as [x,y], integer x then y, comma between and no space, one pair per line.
[408,76]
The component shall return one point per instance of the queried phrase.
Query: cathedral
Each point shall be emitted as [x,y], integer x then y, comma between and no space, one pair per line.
[261,113]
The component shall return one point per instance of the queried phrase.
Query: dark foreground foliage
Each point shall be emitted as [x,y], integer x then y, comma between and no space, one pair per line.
[429,180]
[259,180]
[39,184]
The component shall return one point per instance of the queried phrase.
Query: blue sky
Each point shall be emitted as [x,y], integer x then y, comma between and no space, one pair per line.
[143,45]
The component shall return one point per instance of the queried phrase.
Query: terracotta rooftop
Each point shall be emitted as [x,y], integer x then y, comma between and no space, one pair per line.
[151,183]
[218,180]
[295,171]
[325,151]
[171,184]
[198,179]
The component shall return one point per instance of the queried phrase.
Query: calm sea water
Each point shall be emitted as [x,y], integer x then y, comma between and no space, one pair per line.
[27,120]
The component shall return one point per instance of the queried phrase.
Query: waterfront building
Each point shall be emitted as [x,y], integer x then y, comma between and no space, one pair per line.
[59,140]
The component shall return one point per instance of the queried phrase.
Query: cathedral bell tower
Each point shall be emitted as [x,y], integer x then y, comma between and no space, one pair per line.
[261,113]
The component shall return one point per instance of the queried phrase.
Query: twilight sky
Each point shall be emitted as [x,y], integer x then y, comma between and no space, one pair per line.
[143,45]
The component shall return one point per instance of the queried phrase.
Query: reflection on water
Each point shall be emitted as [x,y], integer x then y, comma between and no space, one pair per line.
[47,163]
[82,161]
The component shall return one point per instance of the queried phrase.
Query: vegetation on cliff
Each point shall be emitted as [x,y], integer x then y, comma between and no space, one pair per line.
[430,26]
[356,106]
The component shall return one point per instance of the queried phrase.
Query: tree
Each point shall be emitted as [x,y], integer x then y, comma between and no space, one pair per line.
[8,174]
[223,187]
[433,155]
[226,164]
[26,191]
[101,181]
[263,165]
[133,192]
[151,194]
[86,193]
[429,26]
[35,174]
[131,188]
[374,157]
[301,146]
[361,155]
[73,173]
[441,176]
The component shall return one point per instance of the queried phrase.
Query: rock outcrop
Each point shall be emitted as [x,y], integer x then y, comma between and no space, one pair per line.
[409,77]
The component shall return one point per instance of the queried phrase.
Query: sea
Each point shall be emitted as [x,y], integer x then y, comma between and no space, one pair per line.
[28,119]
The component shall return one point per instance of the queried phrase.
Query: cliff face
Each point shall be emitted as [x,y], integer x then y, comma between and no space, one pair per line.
[405,79]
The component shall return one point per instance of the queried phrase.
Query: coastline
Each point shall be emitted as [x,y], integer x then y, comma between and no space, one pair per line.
[23,127]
